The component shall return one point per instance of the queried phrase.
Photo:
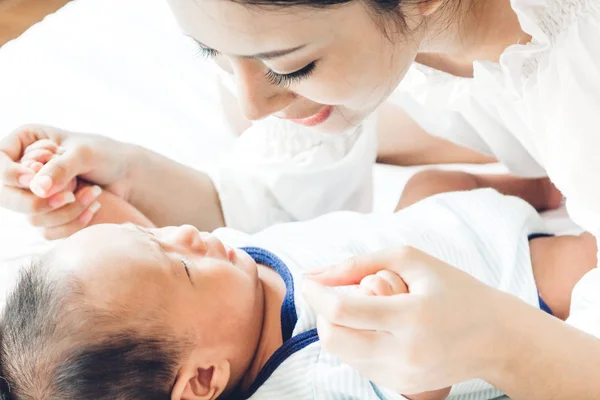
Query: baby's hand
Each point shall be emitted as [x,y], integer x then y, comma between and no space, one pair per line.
[383,283]
[39,153]
[388,283]
[77,203]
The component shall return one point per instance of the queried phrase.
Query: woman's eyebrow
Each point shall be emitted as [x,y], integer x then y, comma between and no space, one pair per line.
[269,55]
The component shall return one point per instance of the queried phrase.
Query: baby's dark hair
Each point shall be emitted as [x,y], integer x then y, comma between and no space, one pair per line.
[55,347]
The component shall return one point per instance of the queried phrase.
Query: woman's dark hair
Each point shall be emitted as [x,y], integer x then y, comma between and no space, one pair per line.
[44,355]
[386,10]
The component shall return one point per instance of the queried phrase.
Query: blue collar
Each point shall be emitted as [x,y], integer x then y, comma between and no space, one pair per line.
[289,318]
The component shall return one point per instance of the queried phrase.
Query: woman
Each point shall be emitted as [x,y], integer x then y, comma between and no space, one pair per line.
[531,100]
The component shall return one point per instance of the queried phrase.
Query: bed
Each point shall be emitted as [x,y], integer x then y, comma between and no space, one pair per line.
[122,68]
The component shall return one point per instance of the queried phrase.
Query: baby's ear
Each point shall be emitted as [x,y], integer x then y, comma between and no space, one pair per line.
[201,382]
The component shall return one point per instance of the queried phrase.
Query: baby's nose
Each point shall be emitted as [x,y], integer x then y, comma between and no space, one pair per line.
[189,238]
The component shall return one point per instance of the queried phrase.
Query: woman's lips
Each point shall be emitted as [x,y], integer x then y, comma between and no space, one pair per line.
[315,119]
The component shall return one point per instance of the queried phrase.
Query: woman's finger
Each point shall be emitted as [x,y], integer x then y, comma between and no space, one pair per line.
[350,272]
[14,145]
[353,346]
[56,174]
[68,207]
[14,174]
[74,226]
[22,201]
[355,310]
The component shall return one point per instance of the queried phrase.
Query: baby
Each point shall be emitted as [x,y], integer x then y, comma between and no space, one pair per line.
[123,312]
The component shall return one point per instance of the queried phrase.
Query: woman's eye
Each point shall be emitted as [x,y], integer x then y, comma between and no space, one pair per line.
[286,80]
[273,77]
[208,53]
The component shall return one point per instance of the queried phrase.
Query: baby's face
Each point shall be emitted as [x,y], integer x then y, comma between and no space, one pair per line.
[187,279]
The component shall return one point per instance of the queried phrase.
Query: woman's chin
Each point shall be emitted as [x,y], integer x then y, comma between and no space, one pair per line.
[339,122]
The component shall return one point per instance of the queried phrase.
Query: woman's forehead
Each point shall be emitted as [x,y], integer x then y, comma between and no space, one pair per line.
[234,28]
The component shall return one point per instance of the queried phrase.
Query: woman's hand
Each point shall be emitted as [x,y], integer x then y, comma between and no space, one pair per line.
[39,167]
[165,192]
[442,332]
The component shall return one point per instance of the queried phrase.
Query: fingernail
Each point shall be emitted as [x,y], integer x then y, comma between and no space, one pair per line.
[28,163]
[40,185]
[36,166]
[88,214]
[60,150]
[61,199]
[90,195]
[95,207]
[25,180]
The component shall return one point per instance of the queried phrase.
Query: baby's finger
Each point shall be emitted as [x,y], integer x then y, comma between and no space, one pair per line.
[36,166]
[74,226]
[356,311]
[68,208]
[59,171]
[375,285]
[393,281]
[45,144]
[40,155]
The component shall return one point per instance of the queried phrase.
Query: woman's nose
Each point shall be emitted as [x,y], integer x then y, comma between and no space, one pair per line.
[258,98]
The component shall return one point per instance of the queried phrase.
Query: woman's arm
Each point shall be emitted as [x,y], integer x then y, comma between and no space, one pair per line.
[169,193]
[541,357]
[539,192]
[166,192]
[448,329]
[403,142]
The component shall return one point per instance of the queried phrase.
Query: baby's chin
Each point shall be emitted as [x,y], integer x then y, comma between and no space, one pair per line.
[240,259]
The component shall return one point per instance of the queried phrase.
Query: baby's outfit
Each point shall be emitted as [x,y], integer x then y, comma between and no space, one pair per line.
[481,232]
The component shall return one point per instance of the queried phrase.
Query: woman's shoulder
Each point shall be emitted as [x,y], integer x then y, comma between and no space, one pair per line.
[546,20]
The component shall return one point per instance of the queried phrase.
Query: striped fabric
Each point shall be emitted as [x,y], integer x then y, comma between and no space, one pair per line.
[481,232]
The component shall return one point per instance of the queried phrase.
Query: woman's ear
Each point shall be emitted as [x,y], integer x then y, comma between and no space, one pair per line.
[426,8]
[201,382]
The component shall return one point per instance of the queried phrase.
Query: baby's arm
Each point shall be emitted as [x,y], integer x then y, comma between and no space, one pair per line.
[387,283]
[540,193]
[115,210]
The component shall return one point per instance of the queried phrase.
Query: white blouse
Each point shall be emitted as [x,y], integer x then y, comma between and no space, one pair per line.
[537,111]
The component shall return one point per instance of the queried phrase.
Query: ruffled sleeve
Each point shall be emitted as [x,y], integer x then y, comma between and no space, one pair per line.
[562,103]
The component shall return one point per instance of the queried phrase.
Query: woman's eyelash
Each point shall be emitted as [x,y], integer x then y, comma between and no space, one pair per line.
[286,80]
[274,78]
[208,53]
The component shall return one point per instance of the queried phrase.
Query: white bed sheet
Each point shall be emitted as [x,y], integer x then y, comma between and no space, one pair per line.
[122,68]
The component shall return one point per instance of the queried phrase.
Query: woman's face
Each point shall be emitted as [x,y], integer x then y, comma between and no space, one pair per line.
[323,68]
